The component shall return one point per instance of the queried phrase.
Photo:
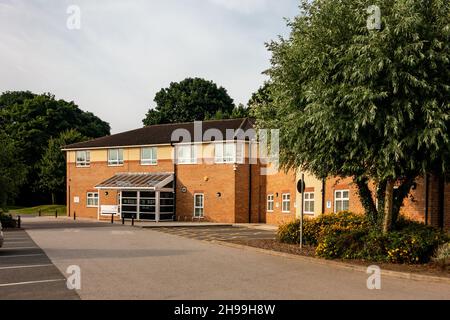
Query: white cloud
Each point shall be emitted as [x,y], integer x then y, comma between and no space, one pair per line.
[126,51]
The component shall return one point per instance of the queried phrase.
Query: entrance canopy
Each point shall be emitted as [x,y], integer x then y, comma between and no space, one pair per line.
[138,181]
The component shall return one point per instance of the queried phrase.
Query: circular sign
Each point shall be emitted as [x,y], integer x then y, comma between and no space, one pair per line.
[299,185]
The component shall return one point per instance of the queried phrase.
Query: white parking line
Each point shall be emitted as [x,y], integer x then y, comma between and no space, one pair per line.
[23,255]
[29,266]
[29,282]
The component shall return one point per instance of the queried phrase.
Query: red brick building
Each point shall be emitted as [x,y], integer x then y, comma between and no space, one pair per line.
[211,171]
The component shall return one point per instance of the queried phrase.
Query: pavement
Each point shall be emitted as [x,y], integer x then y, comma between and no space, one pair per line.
[27,273]
[124,262]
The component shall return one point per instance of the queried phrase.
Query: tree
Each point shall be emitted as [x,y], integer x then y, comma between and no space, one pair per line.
[32,119]
[52,166]
[369,104]
[189,100]
[238,112]
[12,170]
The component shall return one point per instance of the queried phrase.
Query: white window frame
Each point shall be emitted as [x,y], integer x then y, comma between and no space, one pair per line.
[341,199]
[86,162]
[307,199]
[92,196]
[193,154]
[153,160]
[118,162]
[270,202]
[199,207]
[285,199]
[238,150]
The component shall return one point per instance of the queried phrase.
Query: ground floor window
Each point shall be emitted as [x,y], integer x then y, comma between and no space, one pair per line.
[270,203]
[198,205]
[286,202]
[92,199]
[309,202]
[341,200]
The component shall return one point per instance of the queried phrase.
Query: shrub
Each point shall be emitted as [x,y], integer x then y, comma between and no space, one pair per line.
[7,220]
[442,256]
[349,236]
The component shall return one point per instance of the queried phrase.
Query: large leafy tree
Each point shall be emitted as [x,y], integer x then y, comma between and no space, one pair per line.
[52,166]
[370,104]
[189,100]
[32,119]
[12,170]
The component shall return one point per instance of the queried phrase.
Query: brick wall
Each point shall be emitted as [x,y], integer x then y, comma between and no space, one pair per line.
[280,183]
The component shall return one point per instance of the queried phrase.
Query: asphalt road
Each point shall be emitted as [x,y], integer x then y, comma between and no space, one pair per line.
[122,262]
[27,273]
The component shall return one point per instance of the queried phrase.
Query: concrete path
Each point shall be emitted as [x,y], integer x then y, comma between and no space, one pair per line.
[120,262]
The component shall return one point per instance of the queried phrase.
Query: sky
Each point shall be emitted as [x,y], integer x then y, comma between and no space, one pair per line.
[125,51]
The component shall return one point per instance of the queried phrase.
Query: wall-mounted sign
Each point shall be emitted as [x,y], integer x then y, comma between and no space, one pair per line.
[76,199]
[328,204]
[109,209]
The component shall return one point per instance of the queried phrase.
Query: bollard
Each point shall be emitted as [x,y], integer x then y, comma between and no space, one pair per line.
[39,212]
[123,220]
[18,222]
[112,218]
[56,213]
[132,220]
[74,215]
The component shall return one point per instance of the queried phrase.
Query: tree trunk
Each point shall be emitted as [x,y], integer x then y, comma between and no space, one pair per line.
[53,198]
[365,196]
[388,206]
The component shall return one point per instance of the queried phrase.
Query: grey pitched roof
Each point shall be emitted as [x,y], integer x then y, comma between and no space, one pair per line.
[161,133]
[128,180]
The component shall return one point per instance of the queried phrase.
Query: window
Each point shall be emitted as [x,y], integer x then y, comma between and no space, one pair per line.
[270,202]
[92,199]
[186,154]
[308,198]
[341,200]
[148,156]
[198,205]
[83,158]
[229,152]
[286,202]
[115,157]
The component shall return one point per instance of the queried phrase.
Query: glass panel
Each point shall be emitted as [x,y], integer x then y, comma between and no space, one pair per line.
[198,212]
[345,194]
[199,201]
[120,154]
[144,209]
[345,205]
[338,194]
[166,209]
[147,202]
[112,155]
[129,194]
[166,202]
[338,206]
[147,194]
[166,195]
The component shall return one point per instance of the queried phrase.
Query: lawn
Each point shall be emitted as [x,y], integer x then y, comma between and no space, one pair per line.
[45,210]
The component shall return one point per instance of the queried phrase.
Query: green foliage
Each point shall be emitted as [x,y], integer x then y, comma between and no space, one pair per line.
[7,220]
[352,102]
[350,236]
[189,100]
[12,169]
[52,166]
[32,119]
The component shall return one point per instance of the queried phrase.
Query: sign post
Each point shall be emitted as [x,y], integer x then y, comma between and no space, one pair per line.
[302,189]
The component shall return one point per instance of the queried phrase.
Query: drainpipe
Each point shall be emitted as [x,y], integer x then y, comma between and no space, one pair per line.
[249,191]
[441,201]
[427,181]
[323,194]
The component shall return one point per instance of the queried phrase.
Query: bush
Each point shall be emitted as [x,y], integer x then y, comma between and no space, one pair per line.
[349,236]
[7,221]
[442,256]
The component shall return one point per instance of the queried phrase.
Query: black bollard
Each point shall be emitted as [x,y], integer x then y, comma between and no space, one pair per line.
[132,220]
[112,218]
[74,215]
[123,220]
[39,212]
[18,222]
[56,213]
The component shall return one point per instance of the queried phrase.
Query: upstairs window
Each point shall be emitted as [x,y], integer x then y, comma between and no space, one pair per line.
[186,154]
[229,152]
[115,157]
[83,158]
[149,156]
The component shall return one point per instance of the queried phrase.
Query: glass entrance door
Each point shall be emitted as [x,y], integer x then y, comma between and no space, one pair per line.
[128,204]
